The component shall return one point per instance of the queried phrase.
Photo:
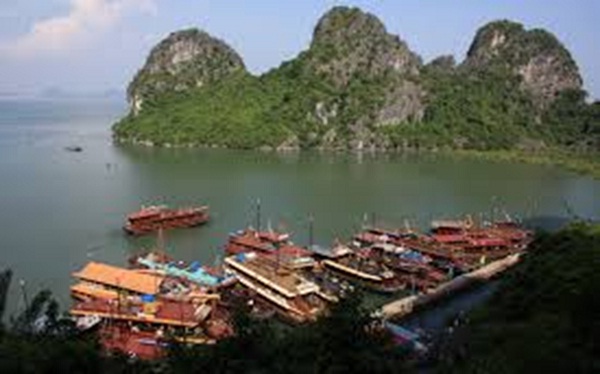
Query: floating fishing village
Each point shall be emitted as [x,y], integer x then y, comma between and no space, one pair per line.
[158,300]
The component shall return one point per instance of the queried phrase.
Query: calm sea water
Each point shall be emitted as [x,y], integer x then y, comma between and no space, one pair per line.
[60,210]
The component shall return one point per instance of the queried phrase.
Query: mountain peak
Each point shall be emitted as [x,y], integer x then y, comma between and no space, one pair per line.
[544,65]
[342,22]
[348,42]
[183,60]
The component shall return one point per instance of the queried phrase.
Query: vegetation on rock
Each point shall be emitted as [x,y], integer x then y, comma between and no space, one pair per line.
[184,60]
[359,87]
[544,65]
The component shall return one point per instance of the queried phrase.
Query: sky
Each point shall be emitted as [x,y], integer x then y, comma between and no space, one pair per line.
[97,45]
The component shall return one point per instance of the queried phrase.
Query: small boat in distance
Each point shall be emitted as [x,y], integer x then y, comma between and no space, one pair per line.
[73,148]
[155,217]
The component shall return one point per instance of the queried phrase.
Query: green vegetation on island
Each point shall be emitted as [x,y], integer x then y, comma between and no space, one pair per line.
[359,87]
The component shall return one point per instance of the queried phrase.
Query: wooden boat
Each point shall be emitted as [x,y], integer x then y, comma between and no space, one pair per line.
[293,257]
[416,270]
[74,148]
[132,341]
[295,298]
[148,342]
[257,306]
[270,244]
[512,231]
[463,230]
[87,322]
[456,245]
[193,271]
[156,217]
[107,282]
[478,246]
[331,288]
[373,235]
[165,313]
[359,268]
[250,240]
[134,308]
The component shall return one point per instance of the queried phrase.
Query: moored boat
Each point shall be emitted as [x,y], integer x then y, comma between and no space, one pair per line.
[359,268]
[294,297]
[137,307]
[192,272]
[250,240]
[418,271]
[155,217]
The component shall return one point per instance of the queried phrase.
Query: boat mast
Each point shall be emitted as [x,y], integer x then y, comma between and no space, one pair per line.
[160,240]
[118,295]
[258,215]
[492,210]
[310,231]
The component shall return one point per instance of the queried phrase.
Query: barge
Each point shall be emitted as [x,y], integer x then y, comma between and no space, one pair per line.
[293,297]
[156,217]
[357,267]
[136,306]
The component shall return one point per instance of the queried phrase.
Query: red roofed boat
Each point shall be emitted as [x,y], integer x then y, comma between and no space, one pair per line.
[250,240]
[155,217]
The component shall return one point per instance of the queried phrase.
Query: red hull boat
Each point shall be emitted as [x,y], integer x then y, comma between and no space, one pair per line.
[154,218]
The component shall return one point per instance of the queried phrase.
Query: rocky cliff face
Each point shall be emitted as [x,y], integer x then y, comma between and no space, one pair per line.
[348,43]
[445,63]
[356,86]
[184,60]
[353,51]
[543,63]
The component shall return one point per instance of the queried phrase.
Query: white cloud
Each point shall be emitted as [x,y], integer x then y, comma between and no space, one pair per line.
[86,18]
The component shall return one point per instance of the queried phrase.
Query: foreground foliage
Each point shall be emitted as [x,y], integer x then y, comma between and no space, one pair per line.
[40,340]
[340,343]
[544,317]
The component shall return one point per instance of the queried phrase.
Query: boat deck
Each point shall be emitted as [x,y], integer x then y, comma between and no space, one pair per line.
[267,272]
[165,312]
[368,268]
[142,344]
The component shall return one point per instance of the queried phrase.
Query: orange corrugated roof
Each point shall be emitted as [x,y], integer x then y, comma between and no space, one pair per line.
[90,290]
[119,277]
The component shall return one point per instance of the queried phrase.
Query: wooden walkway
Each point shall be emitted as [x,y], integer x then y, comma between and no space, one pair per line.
[407,305]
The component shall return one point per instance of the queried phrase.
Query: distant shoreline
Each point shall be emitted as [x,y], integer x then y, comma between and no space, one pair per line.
[583,164]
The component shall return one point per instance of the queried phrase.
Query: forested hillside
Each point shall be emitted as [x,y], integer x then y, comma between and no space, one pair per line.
[359,87]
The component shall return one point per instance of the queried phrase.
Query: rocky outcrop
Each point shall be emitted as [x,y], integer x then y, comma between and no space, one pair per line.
[353,51]
[348,44]
[445,63]
[357,86]
[544,65]
[184,60]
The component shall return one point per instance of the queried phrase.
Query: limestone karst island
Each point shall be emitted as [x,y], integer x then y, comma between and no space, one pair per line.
[359,87]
